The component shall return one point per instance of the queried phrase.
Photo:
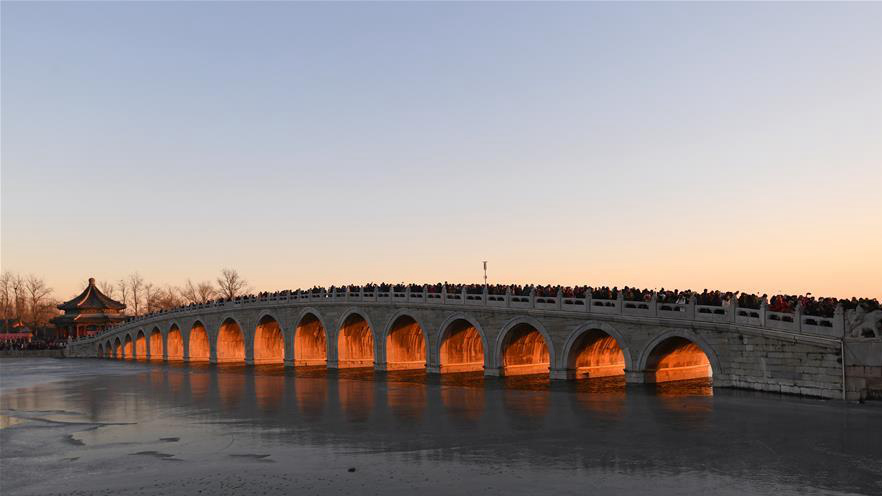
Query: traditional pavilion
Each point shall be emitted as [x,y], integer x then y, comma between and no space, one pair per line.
[87,314]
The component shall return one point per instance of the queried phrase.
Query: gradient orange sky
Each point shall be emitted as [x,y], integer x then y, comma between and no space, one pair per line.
[732,146]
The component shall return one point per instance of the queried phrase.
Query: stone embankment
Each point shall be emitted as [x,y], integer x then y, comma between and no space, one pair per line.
[32,353]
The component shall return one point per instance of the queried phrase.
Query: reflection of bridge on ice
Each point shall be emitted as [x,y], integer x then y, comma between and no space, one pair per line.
[570,338]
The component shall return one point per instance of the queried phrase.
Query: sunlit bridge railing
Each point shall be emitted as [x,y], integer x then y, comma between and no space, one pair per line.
[726,313]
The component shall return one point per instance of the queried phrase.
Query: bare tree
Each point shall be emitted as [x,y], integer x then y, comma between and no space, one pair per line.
[37,300]
[136,287]
[202,292]
[164,299]
[230,284]
[123,291]
[18,296]
[107,288]
[6,295]
[149,297]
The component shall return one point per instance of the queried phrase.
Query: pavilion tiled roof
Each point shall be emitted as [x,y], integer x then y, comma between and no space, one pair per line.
[92,298]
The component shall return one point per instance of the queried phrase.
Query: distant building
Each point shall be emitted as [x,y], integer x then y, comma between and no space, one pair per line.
[87,314]
[14,330]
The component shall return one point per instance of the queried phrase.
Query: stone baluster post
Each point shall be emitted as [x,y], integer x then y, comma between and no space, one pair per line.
[733,308]
[690,307]
[588,297]
[559,299]
[620,301]
[443,294]
[653,304]
[508,297]
[764,307]
[797,315]
[839,320]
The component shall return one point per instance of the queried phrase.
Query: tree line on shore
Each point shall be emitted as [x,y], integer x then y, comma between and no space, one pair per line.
[30,299]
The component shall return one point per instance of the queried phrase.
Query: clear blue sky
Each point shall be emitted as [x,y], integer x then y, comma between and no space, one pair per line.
[731,146]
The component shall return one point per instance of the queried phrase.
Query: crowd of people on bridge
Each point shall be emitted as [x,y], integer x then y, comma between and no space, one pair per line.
[808,304]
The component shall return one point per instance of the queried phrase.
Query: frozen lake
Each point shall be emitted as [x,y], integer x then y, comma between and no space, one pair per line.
[101,427]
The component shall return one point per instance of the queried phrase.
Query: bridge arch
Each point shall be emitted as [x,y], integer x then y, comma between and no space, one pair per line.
[595,349]
[118,348]
[268,340]
[523,347]
[355,340]
[311,341]
[108,350]
[140,345]
[461,345]
[678,354]
[404,342]
[174,343]
[100,350]
[155,344]
[128,347]
[198,345]
[229,341]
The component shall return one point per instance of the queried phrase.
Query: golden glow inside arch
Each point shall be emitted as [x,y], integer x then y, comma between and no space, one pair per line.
[230,342]
[141,346]
[355,343]
[596,354]
[524,351]
[405,345]
[199,347]
[155,344]
[269,342]
[128,348]
[310,342]
[677,359]
[175,344]
[462,349]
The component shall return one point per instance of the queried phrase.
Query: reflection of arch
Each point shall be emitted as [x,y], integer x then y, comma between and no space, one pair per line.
[268,390]
[407,401]
[197,343]
[356,399]
[524,347]
[269,341]
[174,343]
[155,344]
[230,342]
[595,349]
[310,340]
[462,345]
[231,388]
[128,347]
[312,394]
[355,342]
[140,345]
[678,355]
[405,342]
[464,405]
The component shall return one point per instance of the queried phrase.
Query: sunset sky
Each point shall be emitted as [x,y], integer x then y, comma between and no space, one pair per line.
[727,146]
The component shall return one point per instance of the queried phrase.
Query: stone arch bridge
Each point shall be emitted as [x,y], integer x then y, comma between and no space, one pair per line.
[568,338]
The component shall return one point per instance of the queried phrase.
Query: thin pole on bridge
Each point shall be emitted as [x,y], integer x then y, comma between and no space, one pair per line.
[485,272]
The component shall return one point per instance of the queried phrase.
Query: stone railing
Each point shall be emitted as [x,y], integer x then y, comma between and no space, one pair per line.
[728,313]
